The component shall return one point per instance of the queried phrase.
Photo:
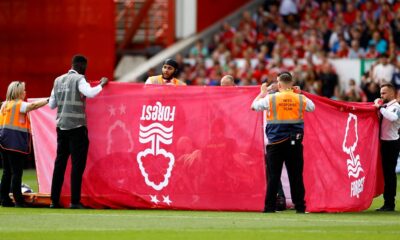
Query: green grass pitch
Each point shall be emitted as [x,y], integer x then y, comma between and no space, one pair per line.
[42,223]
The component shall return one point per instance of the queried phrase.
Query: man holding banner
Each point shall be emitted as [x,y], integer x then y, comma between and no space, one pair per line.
[169,70]
[389,110]
[68,96]
[284,130]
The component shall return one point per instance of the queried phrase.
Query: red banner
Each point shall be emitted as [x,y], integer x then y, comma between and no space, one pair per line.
[202,148]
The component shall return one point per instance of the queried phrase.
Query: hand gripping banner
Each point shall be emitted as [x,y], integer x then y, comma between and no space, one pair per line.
[201,148]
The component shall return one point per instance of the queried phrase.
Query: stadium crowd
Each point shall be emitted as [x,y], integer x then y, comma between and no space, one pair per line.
[301,36]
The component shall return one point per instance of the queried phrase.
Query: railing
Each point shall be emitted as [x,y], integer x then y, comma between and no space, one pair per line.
[142,23]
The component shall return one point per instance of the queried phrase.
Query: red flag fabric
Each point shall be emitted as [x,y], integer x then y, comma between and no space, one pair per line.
[201,148]
[342,169]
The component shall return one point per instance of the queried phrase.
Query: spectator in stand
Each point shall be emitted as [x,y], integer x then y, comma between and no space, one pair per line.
[215,74]
[336,36]
[329,81]
[395,25]
[343,50]
[383,71]
[288,10]
[370,88]
[350,14]
[355,93]
[181,63]
[199,50]
[260,73]
[227,80]
[247,19]
[371,52]
[356,51]
[389,110]
[380,43]
[396,78]
[220,53]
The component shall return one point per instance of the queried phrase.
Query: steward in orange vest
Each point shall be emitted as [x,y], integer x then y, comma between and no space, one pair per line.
[15,141]
[285,115]
[170,70]
[14,128]
[285,112]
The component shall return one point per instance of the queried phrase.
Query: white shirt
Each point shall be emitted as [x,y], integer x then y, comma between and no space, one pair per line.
[382,72]
[391,121]
[263,104]
[288,7]
[84,88]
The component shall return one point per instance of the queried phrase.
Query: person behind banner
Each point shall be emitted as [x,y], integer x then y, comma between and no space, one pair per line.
[69,96]
[227,80]
[15,141]
[284,130]
[168,76]
[389,110]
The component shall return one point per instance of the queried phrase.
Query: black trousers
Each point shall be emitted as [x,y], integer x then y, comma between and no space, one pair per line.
[74,142]
[13,164]
[292,155]
[389,152]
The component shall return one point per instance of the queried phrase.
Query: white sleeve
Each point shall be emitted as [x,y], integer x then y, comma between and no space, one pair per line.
[391,115]
[310,106]
[85,88]
[24,105]
[52,100]
[260,104]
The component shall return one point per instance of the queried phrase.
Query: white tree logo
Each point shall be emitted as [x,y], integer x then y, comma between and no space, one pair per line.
[353,164]
[155,134]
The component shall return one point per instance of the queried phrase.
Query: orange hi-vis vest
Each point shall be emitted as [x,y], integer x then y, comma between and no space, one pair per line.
[285,115]
[15,133]
[159,80]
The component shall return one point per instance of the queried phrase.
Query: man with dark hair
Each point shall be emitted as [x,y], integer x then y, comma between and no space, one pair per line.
[285,129]
[68,96]
[169,72]
[389,110]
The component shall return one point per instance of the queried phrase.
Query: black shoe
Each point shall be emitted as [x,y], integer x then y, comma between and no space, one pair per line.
[7,204]
[385,209]
[21,205]
[269,210]
[77,206]
[280,203]
[55,205]
[300,211]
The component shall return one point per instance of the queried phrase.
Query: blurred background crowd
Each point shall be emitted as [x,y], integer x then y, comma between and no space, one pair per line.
[301,36]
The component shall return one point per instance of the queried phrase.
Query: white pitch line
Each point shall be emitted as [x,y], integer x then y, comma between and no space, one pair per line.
[230,218]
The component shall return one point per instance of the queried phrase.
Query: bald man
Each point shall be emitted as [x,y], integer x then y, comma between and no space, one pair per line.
[227,80]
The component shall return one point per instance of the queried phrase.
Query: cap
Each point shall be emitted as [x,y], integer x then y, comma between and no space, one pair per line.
[171,62]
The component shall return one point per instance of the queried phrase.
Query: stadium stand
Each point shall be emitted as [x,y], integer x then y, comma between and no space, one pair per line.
[308,32]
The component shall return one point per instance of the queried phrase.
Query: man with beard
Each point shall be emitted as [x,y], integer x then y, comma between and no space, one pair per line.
[389,110]
[169,72]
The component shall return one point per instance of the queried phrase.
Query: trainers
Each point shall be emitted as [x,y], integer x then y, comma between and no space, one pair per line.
[76,206]
[385,208]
